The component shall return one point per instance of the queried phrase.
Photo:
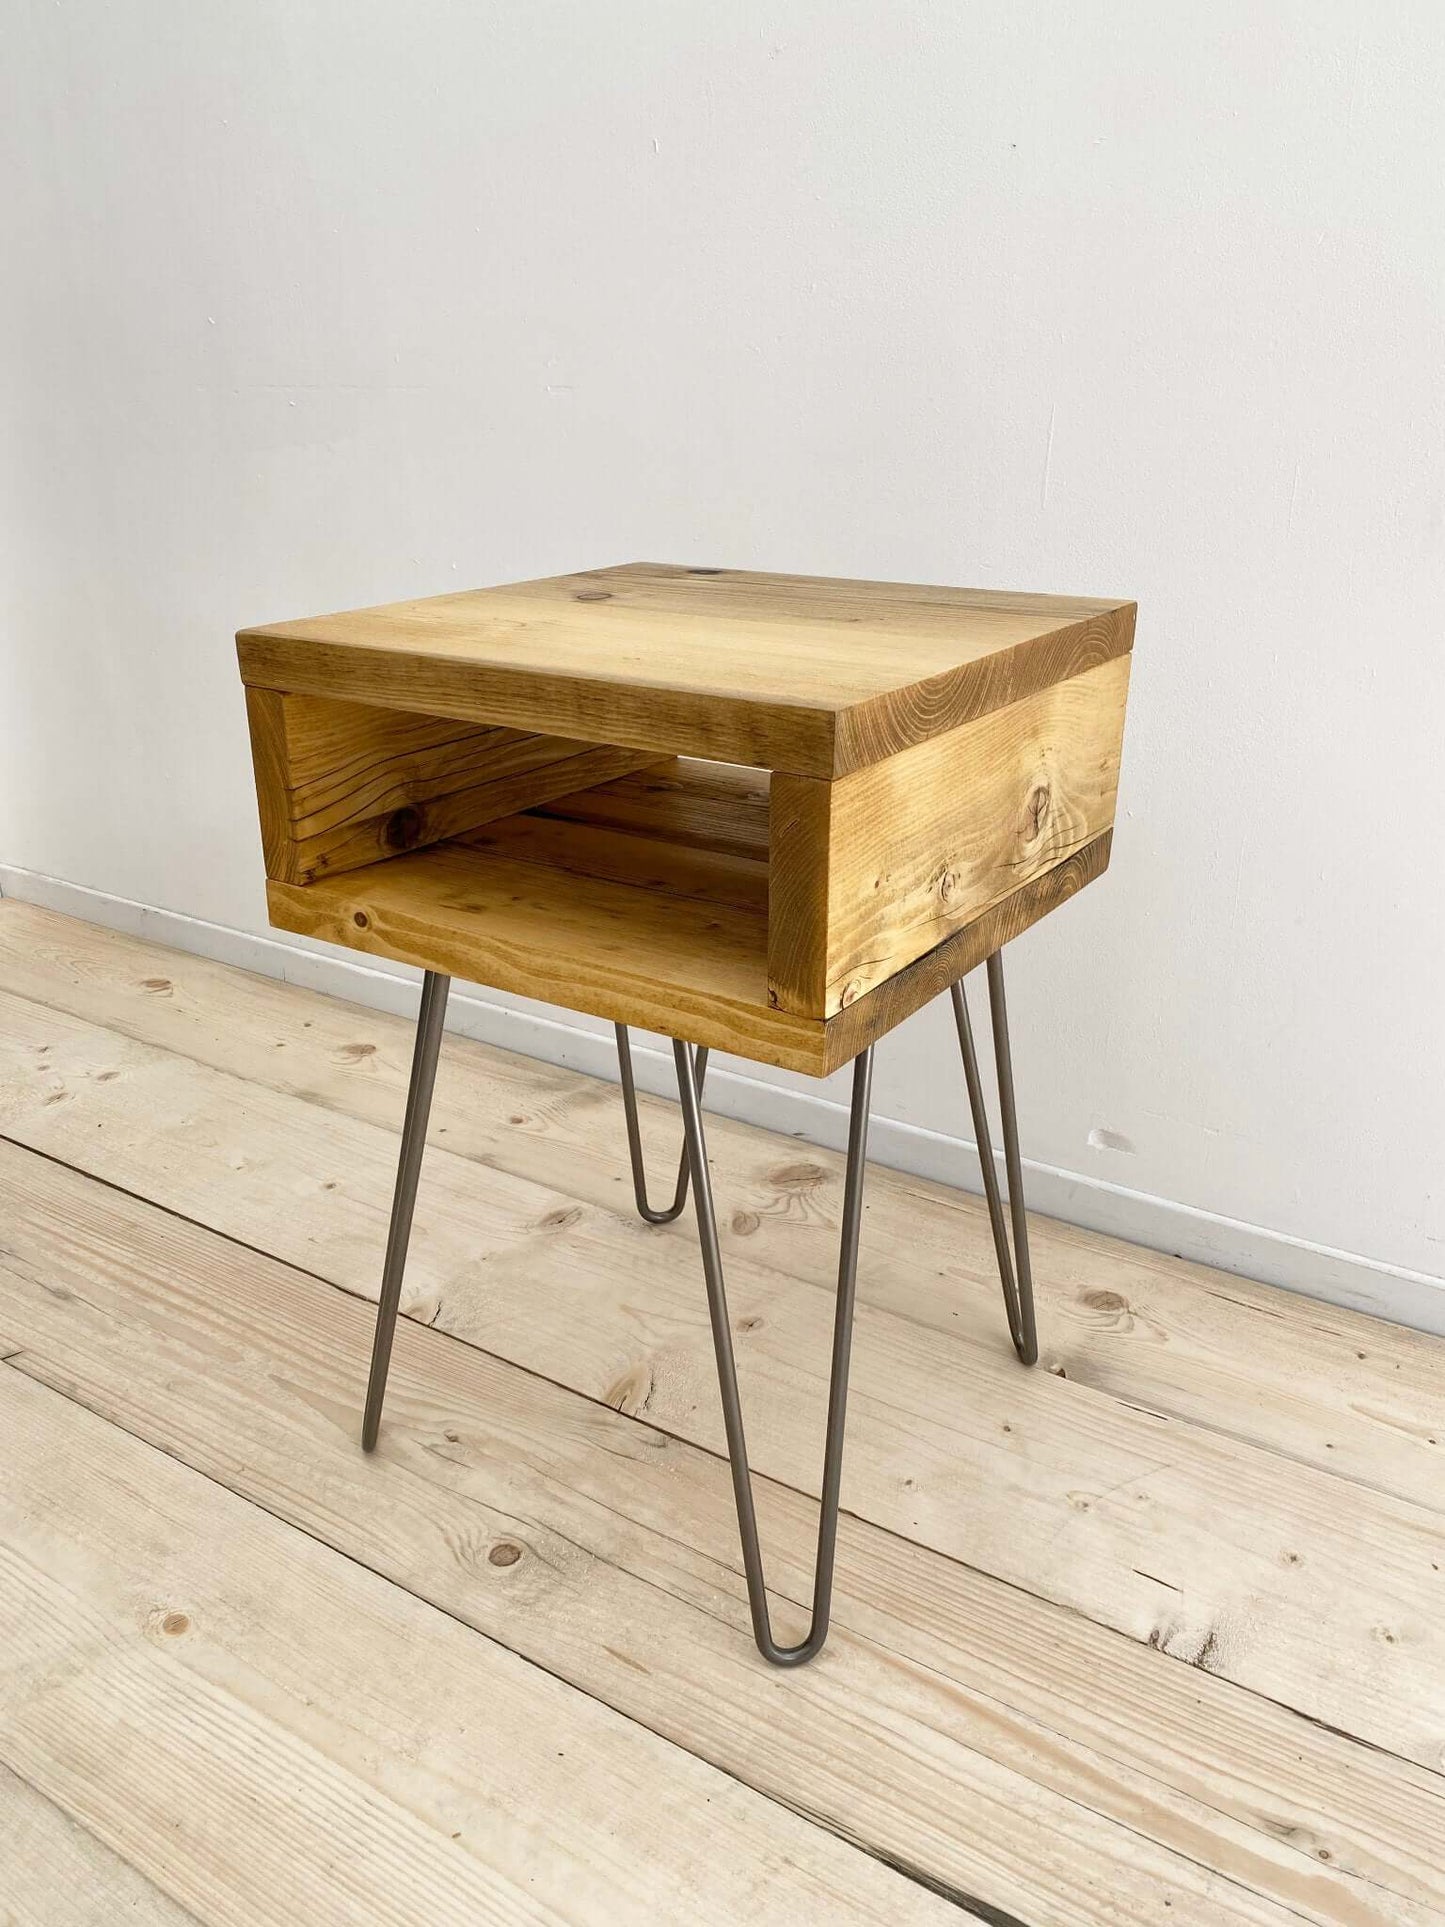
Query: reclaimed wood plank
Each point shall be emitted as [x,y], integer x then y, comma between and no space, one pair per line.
[1347,1393]
[1008,1753]
[784,672]
[341,785]
[54,1873]
[887,863]
[686,965]
[595,854]
[1092,1502]
[274,1732]
[686,802]
[680,828]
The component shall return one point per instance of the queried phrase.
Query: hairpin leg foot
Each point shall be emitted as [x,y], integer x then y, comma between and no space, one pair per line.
[408,1171]
[1015,1270]
[727,1371]
[634,1134]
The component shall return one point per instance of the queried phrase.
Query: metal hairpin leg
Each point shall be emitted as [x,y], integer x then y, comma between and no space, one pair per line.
[691,1067]
[727,1369]
[413,1142]
[1018,1286]
[634,1135]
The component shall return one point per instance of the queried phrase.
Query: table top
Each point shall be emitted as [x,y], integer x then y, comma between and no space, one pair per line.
[808,674]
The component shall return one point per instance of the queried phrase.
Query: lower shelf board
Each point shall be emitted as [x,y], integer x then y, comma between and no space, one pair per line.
[643,902]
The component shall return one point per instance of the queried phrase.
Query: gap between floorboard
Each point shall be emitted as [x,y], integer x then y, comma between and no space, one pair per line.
[1099,1413]
[420,1337]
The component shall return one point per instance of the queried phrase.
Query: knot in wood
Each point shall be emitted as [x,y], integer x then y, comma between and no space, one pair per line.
[403,828]
[1105,1301]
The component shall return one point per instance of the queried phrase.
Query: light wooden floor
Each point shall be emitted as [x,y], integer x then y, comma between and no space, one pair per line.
[1153,1633]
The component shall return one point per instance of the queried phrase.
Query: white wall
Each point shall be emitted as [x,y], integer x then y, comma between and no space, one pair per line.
[316,305]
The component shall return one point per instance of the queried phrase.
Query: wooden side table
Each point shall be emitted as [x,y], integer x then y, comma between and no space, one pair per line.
[765,814]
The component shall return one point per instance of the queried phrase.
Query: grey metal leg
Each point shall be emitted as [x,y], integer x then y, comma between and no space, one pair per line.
[413,1142]
[727,1370]
[1018,1285]
[634,1134]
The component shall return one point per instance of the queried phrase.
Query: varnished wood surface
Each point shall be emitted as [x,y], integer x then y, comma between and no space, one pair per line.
[705,806]
[746,908]
[870,872]
[1148,1634]
[341,785]
[683,952]
[678,828]
[805,674]
[647,900]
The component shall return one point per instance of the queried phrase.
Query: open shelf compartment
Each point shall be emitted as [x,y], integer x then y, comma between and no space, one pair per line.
[644,900]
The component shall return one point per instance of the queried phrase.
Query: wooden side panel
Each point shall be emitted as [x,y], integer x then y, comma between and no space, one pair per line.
[877,869]
[265,716]
[909,989]
[799,833]
[341,784]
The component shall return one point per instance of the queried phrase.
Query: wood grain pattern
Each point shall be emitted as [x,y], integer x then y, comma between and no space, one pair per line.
[652,899]
[909,989]
[870,872]
[636,956]
[1032,1764]
[897,720]
[1095,1503]
[688,966]
[716,807]
[265,719]
[53,1873]
[1003,1751]
[799,893]
[784,672]
[642,862]
[1328,1387]
[1348,1394]
[317,1744]
[341,785]
[924,842]
[398,738]
[681,828]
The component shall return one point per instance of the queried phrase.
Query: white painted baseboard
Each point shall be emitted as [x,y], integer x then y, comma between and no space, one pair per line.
[1249,1250]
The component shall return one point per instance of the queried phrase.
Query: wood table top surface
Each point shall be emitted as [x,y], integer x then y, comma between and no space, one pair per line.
[803,673]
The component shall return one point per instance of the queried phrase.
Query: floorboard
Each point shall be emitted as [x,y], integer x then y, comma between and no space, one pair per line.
[263,1727]
[56,1874]
[1091,1500]
[1015,1715]
[957,1725]
[1176,1337]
